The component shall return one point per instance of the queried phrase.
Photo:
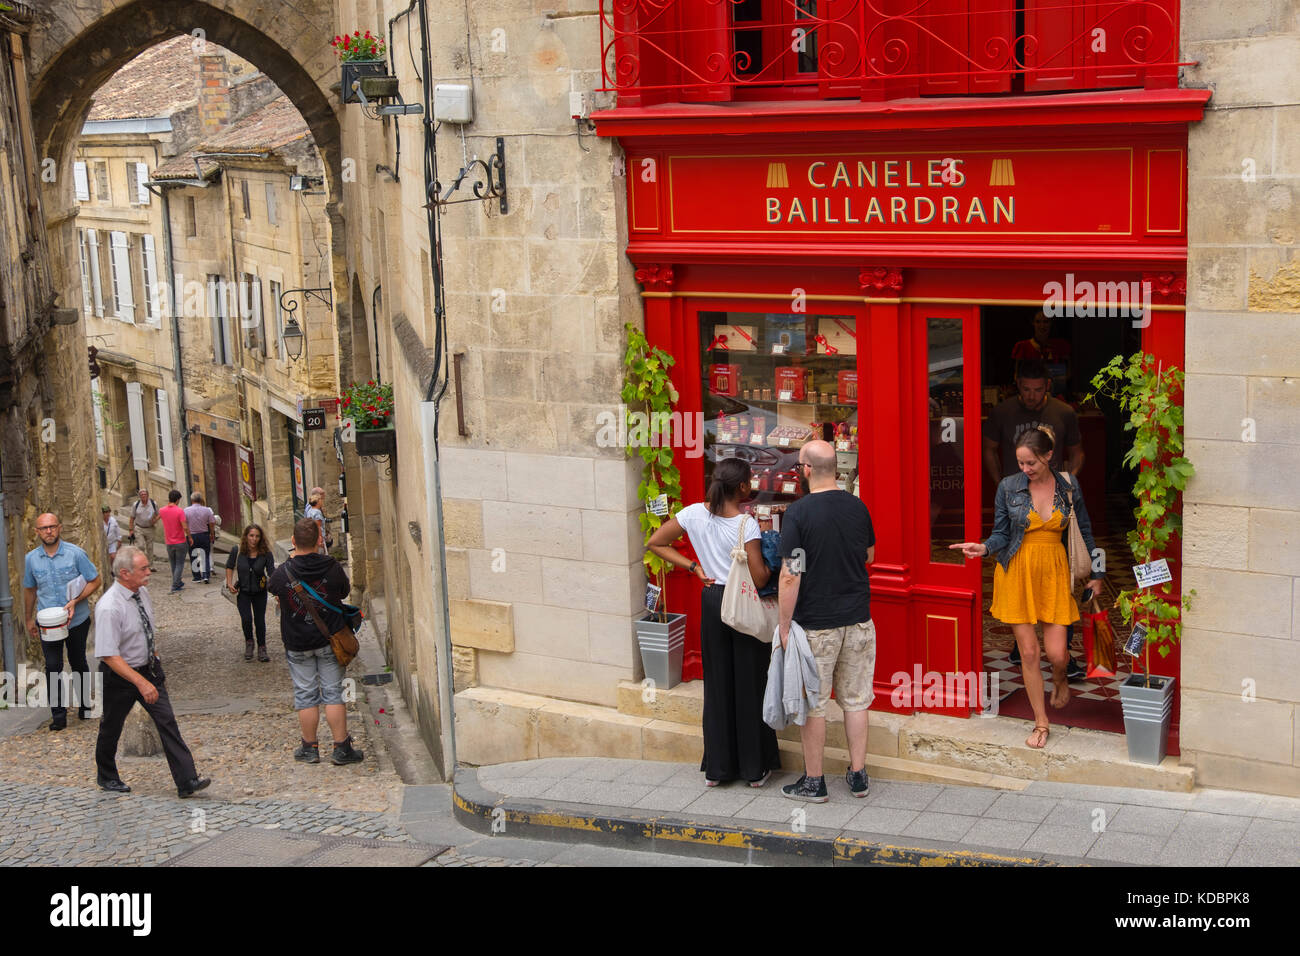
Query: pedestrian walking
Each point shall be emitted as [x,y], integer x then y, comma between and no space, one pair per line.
[1032,406]
[58,574]
[248,568]
[144,516]
[737,744]
[827,541]
[316,672]
[1031,582]
[319,493]
[126,645]
[202,524]
[176,534]
[313,512]
[112,532]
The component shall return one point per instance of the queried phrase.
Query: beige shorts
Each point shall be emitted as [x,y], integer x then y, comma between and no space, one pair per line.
[846,660]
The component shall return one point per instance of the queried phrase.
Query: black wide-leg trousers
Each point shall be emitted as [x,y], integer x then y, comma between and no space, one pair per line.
[120,696]
[737,744]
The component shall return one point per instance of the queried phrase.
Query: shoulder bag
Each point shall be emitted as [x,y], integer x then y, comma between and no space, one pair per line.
[1080,559]
[343,641]
[742,609]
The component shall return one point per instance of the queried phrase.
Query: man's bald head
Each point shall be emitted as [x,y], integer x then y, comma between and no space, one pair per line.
[820,455]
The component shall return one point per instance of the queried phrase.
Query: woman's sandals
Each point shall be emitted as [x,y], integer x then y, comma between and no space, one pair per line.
[1038,739]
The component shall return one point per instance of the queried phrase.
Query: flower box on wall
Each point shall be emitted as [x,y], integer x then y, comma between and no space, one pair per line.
[376,441]
[355,70]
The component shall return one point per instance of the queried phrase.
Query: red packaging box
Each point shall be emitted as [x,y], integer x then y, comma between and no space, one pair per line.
[790,378]
[724,379]
[848,388]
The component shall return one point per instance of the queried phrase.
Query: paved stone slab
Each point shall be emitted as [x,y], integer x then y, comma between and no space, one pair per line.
[901,795]
[1152,821]
[999,834]
[1018,806]
[888,820]
[971,801]
[950,827]
[1060,840]
[1119,847]
[248,846]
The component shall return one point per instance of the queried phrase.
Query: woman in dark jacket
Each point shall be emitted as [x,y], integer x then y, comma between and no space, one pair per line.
[1032,583]
[252,564]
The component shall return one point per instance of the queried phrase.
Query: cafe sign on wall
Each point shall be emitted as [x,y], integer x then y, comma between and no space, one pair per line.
[1110,192]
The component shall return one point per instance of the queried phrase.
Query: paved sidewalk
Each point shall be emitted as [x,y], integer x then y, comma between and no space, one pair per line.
[667,808]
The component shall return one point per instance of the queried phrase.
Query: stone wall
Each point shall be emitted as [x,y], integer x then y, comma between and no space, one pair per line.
[1241,644]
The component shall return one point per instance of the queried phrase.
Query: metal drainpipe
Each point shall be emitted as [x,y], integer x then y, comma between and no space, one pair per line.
[176,330]
[6,596]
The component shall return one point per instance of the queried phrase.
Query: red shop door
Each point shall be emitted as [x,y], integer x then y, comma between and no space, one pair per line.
[945,639]
[226,460]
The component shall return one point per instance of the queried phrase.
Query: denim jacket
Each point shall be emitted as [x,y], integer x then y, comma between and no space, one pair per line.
[1011,508]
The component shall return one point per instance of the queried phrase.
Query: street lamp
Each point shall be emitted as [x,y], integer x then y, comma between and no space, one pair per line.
[292,339]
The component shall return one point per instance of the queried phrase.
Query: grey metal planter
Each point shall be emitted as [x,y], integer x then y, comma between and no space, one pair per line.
[376,441]
[1146,716]
[355,70]
[661,645]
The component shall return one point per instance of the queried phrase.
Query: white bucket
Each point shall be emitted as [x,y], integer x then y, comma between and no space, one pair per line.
[52,623]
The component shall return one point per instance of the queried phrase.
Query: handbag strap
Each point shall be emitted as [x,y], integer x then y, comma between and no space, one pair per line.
[740,537]
[298,587]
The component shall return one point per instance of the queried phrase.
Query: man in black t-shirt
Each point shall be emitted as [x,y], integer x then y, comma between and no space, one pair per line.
[316,673]
[827,542]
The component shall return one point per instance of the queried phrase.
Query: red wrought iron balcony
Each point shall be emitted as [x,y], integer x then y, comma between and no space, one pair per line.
[665,51]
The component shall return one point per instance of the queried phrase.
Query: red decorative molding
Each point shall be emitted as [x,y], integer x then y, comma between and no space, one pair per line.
[655,278]
[883,281]
[1167,287]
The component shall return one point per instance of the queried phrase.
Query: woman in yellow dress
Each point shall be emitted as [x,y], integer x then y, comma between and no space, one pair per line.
[1031,583]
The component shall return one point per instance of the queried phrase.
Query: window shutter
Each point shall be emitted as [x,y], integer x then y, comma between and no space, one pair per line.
[164,433]
[135,417]
[257,314]
[270,204]
[153,300]
[96,283]
[85,271]
[82,183]
[99,416]
[119,253]
[141,177]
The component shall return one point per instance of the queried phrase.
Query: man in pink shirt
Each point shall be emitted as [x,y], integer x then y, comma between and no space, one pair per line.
[176,533]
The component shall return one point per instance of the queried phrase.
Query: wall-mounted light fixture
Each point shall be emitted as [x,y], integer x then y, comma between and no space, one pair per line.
[292,338]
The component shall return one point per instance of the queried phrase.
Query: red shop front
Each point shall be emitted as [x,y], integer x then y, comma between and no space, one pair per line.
[860,272]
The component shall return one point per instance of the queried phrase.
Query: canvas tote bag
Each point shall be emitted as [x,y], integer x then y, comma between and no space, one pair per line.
[742,608]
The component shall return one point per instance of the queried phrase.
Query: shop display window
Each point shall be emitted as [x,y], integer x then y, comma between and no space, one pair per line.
[773,381]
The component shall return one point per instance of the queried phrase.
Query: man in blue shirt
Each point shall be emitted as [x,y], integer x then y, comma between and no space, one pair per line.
[47,572]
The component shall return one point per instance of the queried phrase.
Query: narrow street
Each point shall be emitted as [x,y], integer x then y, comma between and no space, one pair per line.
[237,718]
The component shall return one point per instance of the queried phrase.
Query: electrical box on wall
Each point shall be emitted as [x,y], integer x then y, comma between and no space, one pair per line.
[453,103]
[579,104]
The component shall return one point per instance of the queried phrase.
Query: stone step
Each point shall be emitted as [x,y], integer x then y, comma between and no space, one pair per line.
[978,745]
[494,725]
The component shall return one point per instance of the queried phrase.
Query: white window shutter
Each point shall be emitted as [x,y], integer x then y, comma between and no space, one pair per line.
[96,282]
[151,290]
[165,433]
[99,416]
[141,177]
[82,184]
[257,315]
[85,271]
[135,417]
[122,276]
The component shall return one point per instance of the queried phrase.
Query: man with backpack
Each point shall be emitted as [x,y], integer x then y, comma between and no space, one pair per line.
[312,582]
[144,512]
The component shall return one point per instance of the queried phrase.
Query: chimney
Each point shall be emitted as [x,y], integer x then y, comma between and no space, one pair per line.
[214,93]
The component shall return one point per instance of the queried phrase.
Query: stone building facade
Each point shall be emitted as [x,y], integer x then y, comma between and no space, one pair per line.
[1241,643]
[46,435]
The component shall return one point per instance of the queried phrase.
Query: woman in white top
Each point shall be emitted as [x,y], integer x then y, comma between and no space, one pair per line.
[737,744]
[313,511]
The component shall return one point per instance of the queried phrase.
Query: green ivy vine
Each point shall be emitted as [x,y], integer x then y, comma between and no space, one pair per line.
[1145,392]
[649,396]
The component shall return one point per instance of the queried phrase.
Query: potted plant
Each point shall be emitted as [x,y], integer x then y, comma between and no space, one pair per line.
[649,395]
[1150,395]
[370,407]
[360,54]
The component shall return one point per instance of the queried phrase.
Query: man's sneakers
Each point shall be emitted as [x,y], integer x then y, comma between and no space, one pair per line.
[344,752]
[808,789]
[857,781]
[307,753]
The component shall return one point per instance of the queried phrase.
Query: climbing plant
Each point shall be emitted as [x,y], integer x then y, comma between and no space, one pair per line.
[1148,393]
[649,396]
